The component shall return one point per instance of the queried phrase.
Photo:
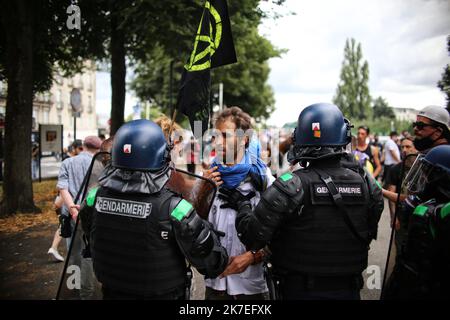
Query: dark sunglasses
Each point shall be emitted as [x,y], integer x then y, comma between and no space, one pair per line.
[420,125]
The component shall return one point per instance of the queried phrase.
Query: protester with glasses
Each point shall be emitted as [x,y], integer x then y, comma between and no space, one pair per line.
[432,128]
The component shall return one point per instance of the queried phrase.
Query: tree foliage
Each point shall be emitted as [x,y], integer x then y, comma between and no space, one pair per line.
[382,109]
[56,49]
[382,126]
[352,94]
[148,34]
[245,82]
[444,83]
[34,42]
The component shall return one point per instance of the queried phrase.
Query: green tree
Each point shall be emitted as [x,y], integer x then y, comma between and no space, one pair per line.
[382,109]
[152,79]
[138,28]
[34,41]
[444,83]
[245,82]
[352,94]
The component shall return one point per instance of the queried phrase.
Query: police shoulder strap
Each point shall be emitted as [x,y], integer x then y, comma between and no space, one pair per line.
[337,199]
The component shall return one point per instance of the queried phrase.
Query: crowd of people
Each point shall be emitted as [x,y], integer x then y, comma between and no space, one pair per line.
[293,216]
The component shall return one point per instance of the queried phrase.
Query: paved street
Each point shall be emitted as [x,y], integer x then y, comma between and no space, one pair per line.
[377,256]
[49,167]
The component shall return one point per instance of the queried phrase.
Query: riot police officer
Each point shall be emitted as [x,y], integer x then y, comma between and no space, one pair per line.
[140,231]
[422,270]
[317,221]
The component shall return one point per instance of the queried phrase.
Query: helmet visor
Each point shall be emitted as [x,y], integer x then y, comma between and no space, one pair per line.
[418,176]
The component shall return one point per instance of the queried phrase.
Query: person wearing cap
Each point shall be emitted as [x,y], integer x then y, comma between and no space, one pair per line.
[432,128]
[70,179]
[72,172]
[422,272]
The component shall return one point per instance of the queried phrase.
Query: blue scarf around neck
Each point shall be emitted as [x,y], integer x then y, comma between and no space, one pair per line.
[251,164]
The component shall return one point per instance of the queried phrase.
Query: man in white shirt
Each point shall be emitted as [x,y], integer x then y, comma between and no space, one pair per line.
[391,154]
[237,166]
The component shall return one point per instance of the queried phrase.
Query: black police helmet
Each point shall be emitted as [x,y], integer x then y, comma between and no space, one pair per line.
[439,157]
[322,125]
[140,145]
[430,173]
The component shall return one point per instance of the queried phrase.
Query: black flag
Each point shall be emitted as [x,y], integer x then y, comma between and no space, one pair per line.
[213,47]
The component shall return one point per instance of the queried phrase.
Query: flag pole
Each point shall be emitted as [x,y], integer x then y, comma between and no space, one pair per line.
[172,122]
[171,85]
[172,107]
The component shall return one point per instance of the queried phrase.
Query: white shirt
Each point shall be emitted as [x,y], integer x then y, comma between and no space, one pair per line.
[251,281]
[388,158]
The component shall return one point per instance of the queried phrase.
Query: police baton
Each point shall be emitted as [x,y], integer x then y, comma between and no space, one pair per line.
[391,239]
[270,281]
[82,190]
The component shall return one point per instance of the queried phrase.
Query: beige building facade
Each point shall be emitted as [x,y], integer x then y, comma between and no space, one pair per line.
[53,107]
[405,114]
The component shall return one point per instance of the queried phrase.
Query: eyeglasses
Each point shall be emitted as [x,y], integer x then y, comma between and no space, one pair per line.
[420,125]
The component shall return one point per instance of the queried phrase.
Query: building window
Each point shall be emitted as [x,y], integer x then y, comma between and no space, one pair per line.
[46,116]
[91,81]
[58,100]
[35,119]
[90,107]
[58,96]
[68,101]
[80,81]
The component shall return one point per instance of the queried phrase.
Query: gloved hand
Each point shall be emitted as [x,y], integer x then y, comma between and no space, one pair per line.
[234,199]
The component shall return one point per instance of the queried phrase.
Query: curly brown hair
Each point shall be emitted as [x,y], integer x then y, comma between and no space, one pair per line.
[241,119]
[165,122]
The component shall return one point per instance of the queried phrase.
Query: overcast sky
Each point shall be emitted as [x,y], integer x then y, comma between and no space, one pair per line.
[404,42]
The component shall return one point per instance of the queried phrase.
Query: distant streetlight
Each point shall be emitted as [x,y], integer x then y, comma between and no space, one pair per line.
[75,102]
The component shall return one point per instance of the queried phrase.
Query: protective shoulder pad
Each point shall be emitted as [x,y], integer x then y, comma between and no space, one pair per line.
[182,209]
[285,194]
[445,211]
[421,210]
[90,199]
[290,184]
